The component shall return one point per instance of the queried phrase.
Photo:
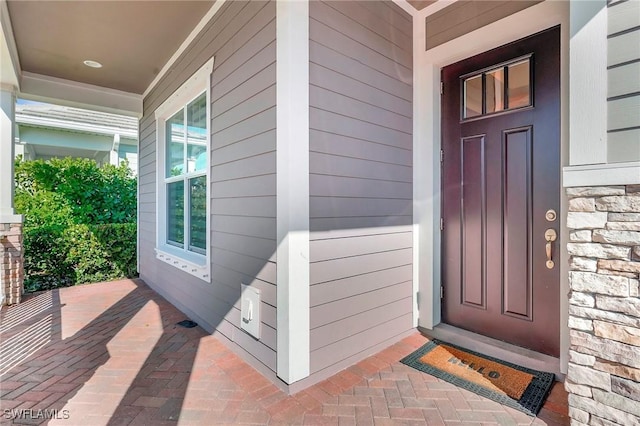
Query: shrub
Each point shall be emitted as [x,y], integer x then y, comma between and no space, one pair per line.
[79,222]
[94,255]
[85,192]
[58,256]
[45,258]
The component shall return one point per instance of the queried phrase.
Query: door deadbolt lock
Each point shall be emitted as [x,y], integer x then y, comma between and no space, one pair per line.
[550,215]
[550,236]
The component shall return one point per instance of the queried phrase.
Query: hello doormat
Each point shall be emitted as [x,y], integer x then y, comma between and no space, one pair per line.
[509,384]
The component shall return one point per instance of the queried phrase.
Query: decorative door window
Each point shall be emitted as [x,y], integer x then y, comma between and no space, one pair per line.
[501,88]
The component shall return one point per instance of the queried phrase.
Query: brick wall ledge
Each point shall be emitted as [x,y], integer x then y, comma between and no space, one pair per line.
[601,174]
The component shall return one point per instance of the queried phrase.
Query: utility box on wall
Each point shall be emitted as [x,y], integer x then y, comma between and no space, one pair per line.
[250,310]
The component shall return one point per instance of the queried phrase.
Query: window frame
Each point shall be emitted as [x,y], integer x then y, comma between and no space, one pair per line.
[481,73]
[191,261]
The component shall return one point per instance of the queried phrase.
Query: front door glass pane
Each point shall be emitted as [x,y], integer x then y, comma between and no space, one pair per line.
[501,88]
[519,85]
[494,91]
[473,96]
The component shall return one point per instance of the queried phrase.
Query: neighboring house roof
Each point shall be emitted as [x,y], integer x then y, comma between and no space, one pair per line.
[76,119]
[45,131]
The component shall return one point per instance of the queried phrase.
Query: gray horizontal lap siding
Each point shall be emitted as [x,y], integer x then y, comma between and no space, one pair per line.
[623,79]
[243,206]
[465,16]
[360,178]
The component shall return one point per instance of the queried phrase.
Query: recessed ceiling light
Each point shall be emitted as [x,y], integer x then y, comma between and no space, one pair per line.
[92,64]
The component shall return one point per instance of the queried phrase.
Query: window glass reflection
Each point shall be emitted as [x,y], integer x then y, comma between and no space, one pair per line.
[198,213]
[175,213]
[175,145]
[519,85]
[197,134]
[494,91]
[502,88]
[473,96]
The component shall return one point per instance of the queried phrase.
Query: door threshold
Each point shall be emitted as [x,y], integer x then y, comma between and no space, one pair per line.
[495,348]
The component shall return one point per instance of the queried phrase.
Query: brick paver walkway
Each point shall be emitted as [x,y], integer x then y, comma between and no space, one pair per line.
[111,354]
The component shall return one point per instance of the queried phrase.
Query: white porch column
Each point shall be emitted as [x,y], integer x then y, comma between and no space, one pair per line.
[7,123]
[113,155]
[11,259]
[292,158]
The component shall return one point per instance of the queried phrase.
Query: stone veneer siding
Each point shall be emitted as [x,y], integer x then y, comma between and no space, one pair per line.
[603,379]
[11,262]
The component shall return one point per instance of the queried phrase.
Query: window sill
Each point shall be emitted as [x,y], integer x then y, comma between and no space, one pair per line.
[199,271]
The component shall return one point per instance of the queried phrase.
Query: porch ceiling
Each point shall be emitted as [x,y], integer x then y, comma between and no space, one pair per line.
[133,40]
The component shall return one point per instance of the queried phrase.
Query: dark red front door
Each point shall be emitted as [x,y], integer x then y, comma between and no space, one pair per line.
[501,179]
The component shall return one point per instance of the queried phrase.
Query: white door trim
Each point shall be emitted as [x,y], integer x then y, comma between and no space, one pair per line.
[426,145]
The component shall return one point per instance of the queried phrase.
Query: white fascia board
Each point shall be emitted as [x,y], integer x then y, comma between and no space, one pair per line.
[602,174]
[59,91]
[194,33]
[292,159]
[9,60]
[52,123]
[128,141]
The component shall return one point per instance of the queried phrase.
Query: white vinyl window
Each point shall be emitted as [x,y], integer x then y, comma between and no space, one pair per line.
[183,141]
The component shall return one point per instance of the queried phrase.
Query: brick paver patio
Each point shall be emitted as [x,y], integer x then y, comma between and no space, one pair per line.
[111,354]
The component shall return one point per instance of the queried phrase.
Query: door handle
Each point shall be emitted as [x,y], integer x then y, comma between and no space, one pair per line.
[550,236]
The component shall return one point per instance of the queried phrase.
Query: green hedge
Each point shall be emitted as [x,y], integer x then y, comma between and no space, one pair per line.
[79,222]
[74,190]
[58,256]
